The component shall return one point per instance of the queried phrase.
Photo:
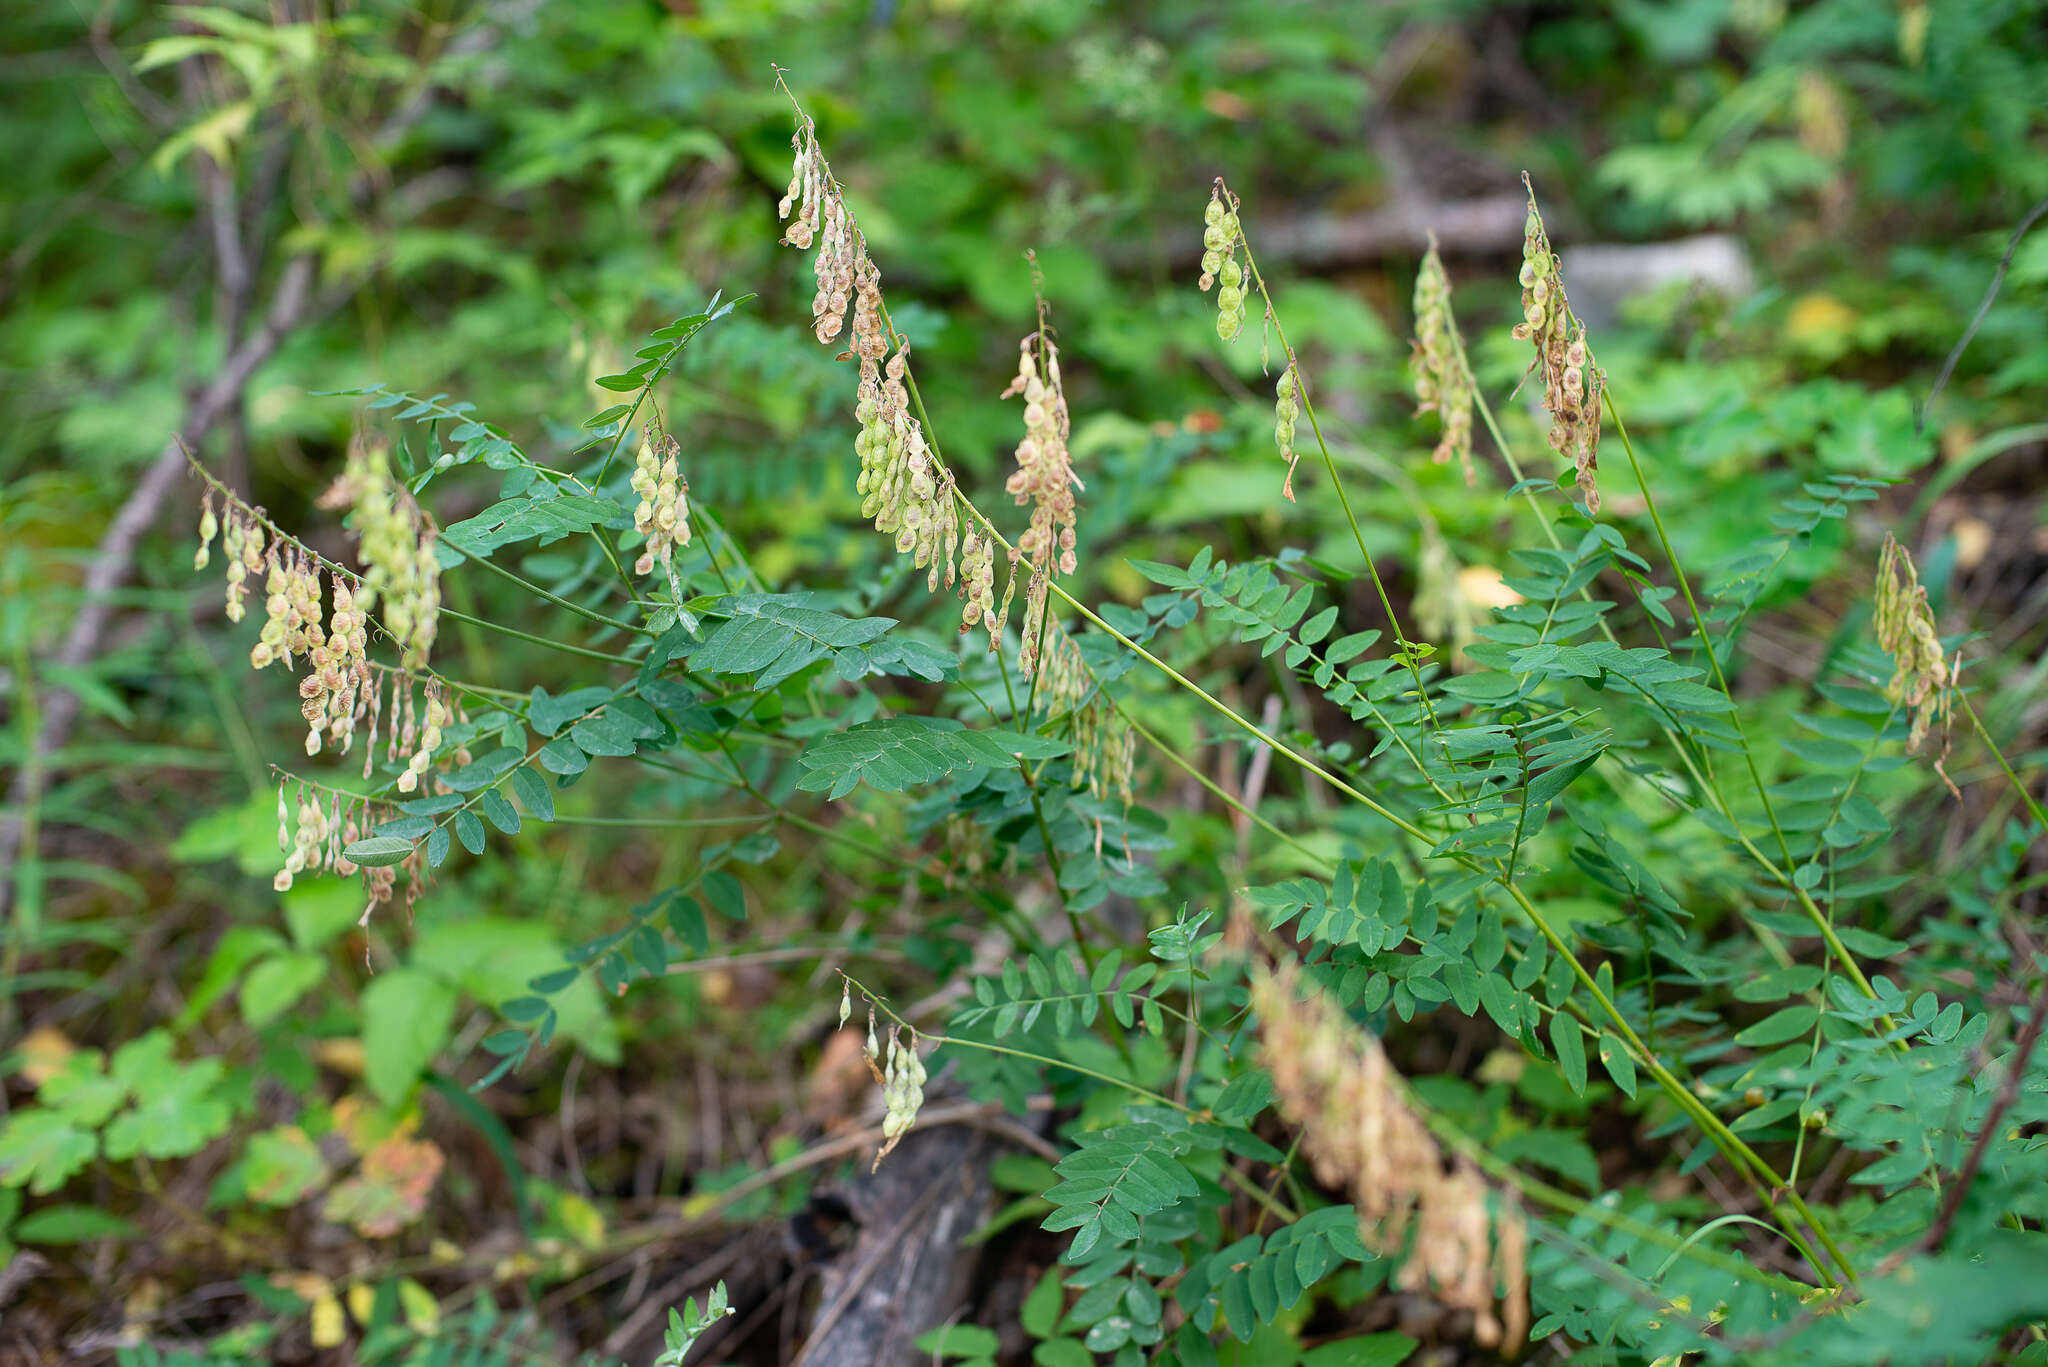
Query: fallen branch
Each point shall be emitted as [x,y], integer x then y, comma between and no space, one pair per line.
[1319,241]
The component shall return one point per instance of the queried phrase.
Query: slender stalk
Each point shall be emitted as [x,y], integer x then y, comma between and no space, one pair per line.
[1977,724]
[560,647]
[1343,496]
[1228,798]
[590,614]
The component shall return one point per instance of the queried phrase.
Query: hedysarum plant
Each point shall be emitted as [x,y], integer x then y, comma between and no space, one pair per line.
[1228,1130]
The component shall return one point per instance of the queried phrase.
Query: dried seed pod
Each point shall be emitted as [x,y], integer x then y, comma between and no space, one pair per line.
[1572,382]
[1334,1083]
[1923,679]
[1442,384]
[1044,479]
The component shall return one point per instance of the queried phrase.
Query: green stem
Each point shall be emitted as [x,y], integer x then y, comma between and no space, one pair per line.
[588,613]
[1228,798]
[1746,1159]
[1343,497]
[562,647]
[1977,724]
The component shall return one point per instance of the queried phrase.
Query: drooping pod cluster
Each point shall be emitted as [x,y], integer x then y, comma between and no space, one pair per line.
[1044,479]
[663,513]
[1923,679]
[291,607]
[1105,752]
[1333,1082]
[1221,237]
[903,487]
[978,584]
[341,687]
[1572,382]
[1286,409]
[395,544]
[335,691]
[1063,680]
[242,540]
[209,527]
[314,837]
[902,1076]
[434,714]
[1442,385]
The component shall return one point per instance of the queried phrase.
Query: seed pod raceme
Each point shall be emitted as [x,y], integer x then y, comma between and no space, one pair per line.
[1442,385]
[903,487]
[436,715]
[1045,479]
[1221,238]
[903,1081]
[1334,1083]
[1923,679]
[663,513]
[394,543]
[1572,381]
[1105,752]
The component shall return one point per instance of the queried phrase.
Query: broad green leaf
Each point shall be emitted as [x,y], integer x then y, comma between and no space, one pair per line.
[378,851]
[407,1015]
[42,1149]
[1780,1027]
[1367,1350]
[276,983]
[71,1225]
[1614,1056]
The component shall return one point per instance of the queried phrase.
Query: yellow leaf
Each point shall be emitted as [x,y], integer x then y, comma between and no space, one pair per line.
[582,1221]
[362,1300]
[214,135]
[1821,321]
[328,1325]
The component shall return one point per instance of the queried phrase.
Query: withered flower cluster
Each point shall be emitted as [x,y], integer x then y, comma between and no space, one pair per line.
[1572,382]
[1333,1081]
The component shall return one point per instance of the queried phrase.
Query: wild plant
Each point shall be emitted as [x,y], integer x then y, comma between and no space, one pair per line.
[1574,848]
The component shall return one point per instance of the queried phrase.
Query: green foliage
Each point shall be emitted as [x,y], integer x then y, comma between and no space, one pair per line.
[686,1327]
[1625,865]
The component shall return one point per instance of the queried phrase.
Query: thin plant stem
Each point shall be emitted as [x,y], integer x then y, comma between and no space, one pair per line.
[1308,408]
[1977,724]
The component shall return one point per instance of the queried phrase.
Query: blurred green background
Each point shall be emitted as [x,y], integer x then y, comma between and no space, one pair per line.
[497,201]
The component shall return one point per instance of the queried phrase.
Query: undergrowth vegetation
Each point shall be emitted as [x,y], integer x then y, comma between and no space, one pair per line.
[1567,884]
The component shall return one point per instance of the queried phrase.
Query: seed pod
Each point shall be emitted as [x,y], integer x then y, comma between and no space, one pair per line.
[208,525]
[1286,408]
[1563,357]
